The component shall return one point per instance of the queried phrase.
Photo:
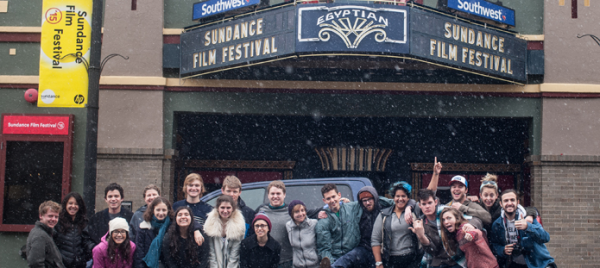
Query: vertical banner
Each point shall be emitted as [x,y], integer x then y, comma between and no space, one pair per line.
[65,49]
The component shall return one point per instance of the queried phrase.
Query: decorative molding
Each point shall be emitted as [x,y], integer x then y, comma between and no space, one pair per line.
[353,158]
[172,31]
[467,167]
[239,164]
[532,37]
[20,29]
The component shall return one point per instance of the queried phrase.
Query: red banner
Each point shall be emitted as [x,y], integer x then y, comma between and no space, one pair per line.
[35,125]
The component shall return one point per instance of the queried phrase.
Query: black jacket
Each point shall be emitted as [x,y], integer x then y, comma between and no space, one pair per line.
[71,245]
[98,227]
[368,217]
[181,258]
[247,212]
[254,256]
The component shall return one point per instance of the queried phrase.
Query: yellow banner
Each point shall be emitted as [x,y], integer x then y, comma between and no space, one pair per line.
[65,50]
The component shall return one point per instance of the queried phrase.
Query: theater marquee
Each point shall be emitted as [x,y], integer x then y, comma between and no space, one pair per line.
[338,29]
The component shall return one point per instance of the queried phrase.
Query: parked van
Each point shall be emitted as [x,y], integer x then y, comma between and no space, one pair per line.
[254,194]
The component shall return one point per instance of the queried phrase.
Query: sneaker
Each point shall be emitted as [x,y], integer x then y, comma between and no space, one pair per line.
[325,263]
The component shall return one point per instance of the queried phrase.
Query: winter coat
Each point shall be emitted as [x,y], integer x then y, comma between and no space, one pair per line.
[303,240]
[475,210]
[532,240]
[409,244]
[224,254]
[248,214]
[41,250]
[279,217]
[136,219]
[200,209]
[181,258]
[476,251]
[254,256]
[101,259]
[335,239]
[71,245]
[98,226]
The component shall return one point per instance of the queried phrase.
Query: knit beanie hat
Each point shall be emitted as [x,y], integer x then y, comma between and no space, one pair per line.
[365,194]
[118,223]
[293,204]
[262,216]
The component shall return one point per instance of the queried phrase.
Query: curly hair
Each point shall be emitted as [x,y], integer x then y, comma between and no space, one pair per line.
[175,232]
[66,221]
[150,210]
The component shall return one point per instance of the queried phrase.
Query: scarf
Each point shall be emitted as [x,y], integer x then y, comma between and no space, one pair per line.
[153,254]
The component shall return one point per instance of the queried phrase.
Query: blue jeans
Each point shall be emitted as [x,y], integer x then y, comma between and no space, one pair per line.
[359,257]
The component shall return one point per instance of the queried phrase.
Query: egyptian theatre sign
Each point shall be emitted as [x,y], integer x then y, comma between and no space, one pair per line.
[358,29]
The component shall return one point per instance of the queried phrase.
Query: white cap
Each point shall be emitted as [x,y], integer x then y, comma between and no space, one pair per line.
[118,223]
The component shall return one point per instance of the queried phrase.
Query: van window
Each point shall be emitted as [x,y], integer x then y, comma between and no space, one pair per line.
[311,194]
[252,197]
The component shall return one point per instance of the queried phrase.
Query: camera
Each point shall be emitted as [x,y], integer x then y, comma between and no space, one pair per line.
[517,250]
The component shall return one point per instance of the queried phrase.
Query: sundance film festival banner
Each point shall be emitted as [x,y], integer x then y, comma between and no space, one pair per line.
[65,43]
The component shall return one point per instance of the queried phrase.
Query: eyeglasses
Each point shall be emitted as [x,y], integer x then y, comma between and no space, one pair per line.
[120,232]
[261,226]
[366,200]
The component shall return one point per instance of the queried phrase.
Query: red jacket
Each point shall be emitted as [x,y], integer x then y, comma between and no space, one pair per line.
[101,260]
[477,252]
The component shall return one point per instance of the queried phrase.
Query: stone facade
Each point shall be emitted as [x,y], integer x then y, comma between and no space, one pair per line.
[133,169]
[565,190]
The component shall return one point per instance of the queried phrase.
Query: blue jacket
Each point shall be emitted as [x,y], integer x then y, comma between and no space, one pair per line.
[337,236]
[532,240]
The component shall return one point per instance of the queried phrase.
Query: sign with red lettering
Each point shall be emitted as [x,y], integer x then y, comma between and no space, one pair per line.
[35,125]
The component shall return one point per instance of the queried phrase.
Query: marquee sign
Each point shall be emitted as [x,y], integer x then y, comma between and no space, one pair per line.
[459,44]
[262,36]
[335,29]
[485,10]
[352,28]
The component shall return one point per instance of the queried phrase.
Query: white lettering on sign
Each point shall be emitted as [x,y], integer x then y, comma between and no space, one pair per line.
[221,6]
[475,8]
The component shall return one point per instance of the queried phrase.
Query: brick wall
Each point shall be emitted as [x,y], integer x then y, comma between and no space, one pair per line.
[133,169]
[566,190]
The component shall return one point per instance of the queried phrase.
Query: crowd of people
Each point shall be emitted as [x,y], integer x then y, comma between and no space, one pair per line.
[371,232]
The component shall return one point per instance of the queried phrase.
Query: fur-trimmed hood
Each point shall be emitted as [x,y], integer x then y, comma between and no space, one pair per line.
[236,226]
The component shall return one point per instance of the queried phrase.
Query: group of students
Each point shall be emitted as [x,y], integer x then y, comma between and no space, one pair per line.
[373,231]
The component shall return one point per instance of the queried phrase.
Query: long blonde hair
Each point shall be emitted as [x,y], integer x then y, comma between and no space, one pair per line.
[448,239]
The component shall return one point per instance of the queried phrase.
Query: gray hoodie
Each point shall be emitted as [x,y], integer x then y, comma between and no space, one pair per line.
[303,240]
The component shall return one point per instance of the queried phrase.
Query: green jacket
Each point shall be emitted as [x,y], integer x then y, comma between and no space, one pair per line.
[336,236]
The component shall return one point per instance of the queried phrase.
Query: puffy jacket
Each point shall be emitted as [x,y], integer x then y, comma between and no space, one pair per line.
[41,250]
[70,243]
[532,240]
[143,240]
[228,255]
[303,240]
[181,258]
[101,259]
[98,226]
[254,256]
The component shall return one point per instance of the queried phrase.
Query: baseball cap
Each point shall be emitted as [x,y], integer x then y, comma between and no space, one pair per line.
[460,179]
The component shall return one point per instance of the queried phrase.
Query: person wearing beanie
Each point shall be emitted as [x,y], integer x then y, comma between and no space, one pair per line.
[115,249]
[302,235]
[260,249]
